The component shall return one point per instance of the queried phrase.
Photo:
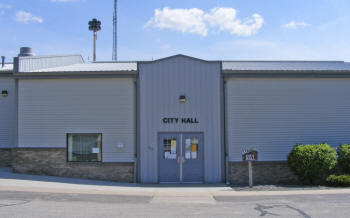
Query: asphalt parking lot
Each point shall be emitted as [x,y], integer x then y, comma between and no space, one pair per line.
[39,196]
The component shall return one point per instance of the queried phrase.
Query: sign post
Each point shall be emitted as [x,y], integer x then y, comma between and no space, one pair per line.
[249,156]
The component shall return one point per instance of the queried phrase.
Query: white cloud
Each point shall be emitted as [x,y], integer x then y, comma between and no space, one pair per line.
[183,20]
[225,19]
[26,17]
[196,21]
[5,6]
[295,25]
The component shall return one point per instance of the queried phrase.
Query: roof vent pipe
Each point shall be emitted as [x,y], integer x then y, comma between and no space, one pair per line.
[2,61]
[26,51]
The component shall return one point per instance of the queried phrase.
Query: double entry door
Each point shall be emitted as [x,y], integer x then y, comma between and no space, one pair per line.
[181,158]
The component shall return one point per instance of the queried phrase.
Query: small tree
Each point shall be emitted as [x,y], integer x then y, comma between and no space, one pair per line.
[344,158]
[311,163]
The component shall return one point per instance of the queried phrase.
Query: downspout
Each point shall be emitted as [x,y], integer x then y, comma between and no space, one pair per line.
[136,133]
[225,137]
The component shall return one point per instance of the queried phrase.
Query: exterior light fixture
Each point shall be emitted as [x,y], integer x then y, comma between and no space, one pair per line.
[182,98]
[4,93]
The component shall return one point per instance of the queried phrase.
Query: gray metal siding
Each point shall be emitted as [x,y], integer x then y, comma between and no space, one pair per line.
[161,84]
[48,109]
[274,114]
[7,113]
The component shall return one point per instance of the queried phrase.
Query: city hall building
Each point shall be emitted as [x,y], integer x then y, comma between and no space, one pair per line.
[174,120]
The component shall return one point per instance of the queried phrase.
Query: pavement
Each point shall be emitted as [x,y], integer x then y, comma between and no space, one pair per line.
[24,195]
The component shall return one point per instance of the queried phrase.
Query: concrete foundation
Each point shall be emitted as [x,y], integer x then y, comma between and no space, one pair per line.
[52,162]
[264,173]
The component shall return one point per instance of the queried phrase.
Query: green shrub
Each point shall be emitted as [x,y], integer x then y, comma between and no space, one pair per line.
[344,158]
[312,163]
[338,181]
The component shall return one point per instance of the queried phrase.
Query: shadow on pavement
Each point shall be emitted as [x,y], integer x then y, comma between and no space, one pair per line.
[6,173]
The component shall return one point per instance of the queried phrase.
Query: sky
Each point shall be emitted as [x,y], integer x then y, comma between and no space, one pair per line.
[207,29]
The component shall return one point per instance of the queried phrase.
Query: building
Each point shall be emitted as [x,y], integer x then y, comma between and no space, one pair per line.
[177,119]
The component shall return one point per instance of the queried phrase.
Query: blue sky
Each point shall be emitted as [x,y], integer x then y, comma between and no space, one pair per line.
[209,29]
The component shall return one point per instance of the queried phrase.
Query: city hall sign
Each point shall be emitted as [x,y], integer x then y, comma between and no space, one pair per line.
[176,120]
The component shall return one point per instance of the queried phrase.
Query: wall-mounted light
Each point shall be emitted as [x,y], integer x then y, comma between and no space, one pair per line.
[4,93]
[182,98]
[120,147]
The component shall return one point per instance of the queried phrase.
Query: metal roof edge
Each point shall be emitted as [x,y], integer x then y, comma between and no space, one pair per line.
[50,56]
[75,73]
[6,74]
[228,71]
[179,55]
[286,74]
[285,61]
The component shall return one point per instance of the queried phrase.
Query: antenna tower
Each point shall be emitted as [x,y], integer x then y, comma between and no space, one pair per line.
[115,40]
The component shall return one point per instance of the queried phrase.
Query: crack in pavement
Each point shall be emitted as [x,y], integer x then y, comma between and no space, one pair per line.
[15,204]
[264,210]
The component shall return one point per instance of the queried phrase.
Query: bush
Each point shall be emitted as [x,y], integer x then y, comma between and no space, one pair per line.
[338,181]
[312,163]
[344,158]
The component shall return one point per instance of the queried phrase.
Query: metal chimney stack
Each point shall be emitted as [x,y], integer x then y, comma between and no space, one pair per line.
[26,51]
[2,61]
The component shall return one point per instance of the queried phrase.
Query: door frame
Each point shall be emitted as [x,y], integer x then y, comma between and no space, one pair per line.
[181,138]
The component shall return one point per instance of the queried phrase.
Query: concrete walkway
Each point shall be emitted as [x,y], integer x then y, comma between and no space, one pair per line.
[195,193]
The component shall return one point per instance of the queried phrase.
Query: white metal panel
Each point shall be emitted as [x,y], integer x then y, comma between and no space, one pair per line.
[49,109]
[7,113]
[274,114]
[6,68]
[93,67]
[28,64]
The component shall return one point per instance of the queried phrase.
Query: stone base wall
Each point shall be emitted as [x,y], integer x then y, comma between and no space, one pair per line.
[264,173]
[52,162]
[5,157]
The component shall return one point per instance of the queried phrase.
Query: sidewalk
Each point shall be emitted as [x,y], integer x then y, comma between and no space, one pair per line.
[33,183]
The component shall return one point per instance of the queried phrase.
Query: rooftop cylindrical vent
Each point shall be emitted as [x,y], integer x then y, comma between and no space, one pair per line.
[26,51]
[2,61]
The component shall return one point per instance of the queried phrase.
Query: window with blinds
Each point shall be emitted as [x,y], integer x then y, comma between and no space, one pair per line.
[84,147]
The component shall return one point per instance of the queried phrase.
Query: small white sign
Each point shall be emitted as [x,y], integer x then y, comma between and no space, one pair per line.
[167,155]
[188,155]
[172,156]
[95,150]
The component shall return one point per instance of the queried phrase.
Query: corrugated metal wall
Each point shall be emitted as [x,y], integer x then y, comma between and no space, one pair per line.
[274,114]
[27,64]
[7,113]
[50,108]
[161,84]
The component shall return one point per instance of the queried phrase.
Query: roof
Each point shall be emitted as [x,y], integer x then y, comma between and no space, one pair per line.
[7,68]
[285,66]
[33,63]
[66,64]
[92,67]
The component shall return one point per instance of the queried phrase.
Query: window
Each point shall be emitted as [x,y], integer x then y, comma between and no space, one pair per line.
[191,147]
[84,147]
[170,148]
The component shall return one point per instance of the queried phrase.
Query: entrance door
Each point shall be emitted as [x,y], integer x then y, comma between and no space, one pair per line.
[181,158]
[169,156]
[192,164]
